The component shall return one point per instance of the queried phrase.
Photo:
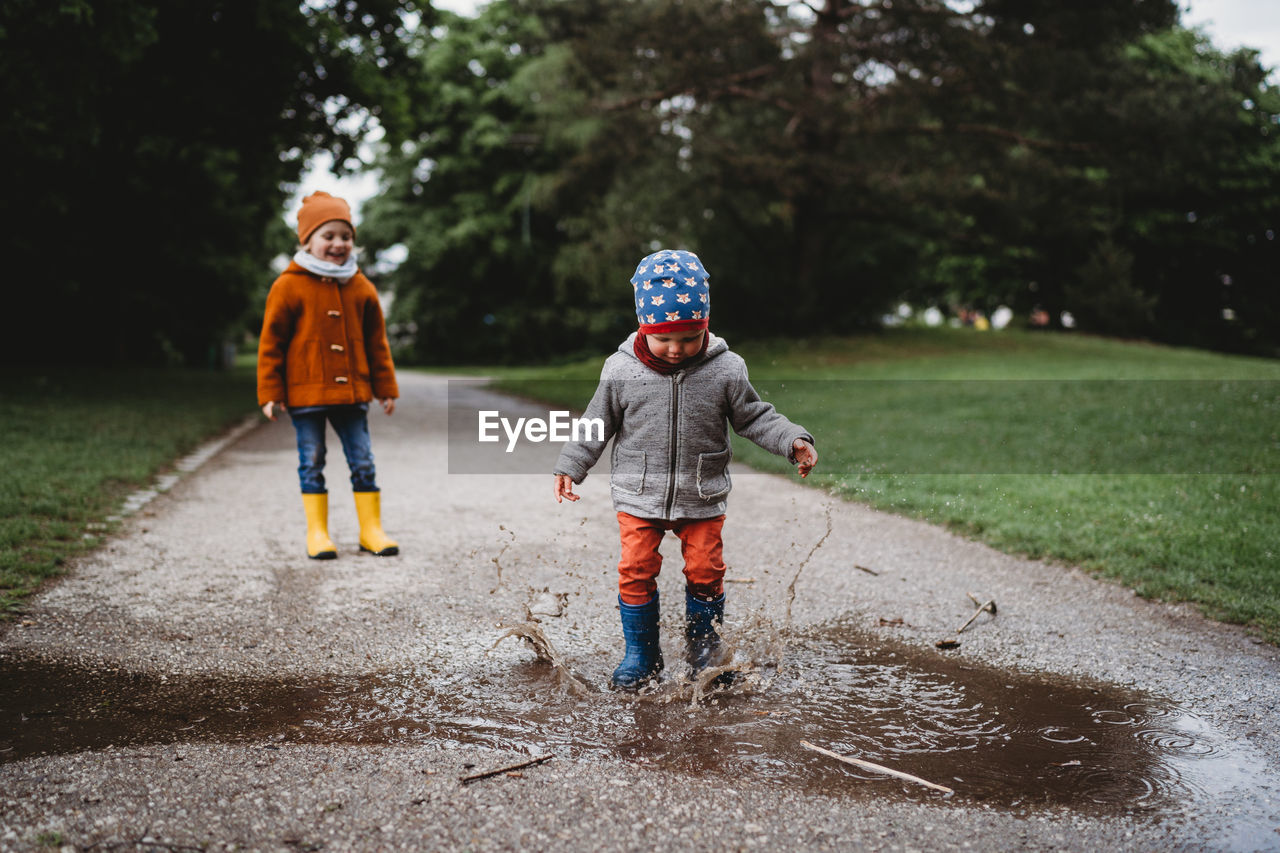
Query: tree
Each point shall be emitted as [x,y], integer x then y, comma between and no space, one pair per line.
[152,140]
[1197,176]
[859,152]
[480,199]
[828,160]
[732,129]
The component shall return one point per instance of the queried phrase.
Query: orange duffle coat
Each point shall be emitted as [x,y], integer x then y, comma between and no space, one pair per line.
[323,343]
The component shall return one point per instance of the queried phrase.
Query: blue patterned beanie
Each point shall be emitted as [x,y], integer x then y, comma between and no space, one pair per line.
[671,292]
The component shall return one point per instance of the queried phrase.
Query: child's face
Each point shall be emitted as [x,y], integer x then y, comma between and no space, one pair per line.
[332,242]
[676,346]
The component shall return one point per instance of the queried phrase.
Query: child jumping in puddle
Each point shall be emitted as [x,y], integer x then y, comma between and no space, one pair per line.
[322,356]
[667,398]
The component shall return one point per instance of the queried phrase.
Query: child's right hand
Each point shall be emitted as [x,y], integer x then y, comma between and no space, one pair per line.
[805,455]
[269,410]
[564,488]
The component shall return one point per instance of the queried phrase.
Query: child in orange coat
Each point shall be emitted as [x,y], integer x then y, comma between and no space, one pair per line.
[322,356]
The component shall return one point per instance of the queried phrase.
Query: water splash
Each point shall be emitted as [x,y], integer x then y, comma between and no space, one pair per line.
[497,560]
[791,587]
[545,652]
[998,737]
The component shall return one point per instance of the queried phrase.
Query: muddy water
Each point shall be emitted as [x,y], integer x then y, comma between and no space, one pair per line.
[1008,739]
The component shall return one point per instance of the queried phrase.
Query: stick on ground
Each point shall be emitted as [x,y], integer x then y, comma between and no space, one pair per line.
[858,762]
[486,774]
[990,607]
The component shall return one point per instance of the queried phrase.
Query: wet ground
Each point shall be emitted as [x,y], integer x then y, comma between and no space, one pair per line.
[197,687]
[1003,738]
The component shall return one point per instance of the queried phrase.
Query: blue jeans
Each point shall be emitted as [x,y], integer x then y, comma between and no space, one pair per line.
[351,423]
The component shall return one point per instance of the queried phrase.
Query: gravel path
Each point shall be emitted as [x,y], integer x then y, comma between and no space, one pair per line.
[207,583]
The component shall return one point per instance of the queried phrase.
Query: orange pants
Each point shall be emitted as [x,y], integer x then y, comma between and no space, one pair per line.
[700,545]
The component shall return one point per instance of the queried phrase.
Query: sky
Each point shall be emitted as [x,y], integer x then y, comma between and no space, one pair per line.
[1228,23]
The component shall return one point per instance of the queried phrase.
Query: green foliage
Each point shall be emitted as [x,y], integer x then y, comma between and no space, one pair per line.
[720,127]
[459,195]
[1202,211]
[1122,169]
[1085,157]
[150,142]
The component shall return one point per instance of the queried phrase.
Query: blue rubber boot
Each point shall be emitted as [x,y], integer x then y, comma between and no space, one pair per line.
[700,620]
[643,660]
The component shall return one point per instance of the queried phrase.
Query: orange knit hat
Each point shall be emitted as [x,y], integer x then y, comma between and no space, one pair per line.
[319,208]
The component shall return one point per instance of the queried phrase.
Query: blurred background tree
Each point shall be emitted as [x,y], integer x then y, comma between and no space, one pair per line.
[457,199]
[1197,196]
[150,142]
[828,160]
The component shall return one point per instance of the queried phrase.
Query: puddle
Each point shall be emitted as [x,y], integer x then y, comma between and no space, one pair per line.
[1007,739]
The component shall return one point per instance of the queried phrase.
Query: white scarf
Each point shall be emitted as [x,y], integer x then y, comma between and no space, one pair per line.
[325,269]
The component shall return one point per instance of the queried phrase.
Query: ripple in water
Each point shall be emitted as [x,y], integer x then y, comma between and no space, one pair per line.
[1010,739]
[1005,738]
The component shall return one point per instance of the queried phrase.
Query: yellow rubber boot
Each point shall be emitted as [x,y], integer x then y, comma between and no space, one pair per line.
[319,545]
[372,538]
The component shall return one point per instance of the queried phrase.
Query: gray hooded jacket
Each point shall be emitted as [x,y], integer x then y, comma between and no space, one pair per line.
[671,433]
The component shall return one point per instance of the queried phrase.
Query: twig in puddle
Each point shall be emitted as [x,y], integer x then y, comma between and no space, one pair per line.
[791,588]
[466,780]
[858,762]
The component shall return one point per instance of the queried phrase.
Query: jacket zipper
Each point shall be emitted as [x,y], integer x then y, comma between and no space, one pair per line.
[673,457]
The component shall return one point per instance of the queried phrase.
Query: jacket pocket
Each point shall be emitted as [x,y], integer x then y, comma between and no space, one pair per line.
[627,471]
[713,475]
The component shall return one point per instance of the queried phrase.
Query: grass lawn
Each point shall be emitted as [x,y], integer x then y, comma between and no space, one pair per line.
[74,442]
[1153,466]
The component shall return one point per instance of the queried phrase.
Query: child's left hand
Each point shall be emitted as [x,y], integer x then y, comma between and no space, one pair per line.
[564,488]
[388,404]
[806,456]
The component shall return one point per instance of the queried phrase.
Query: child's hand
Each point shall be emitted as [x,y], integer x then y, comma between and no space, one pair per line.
[388,404]
[270,410]
[564,488]
[806,456]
